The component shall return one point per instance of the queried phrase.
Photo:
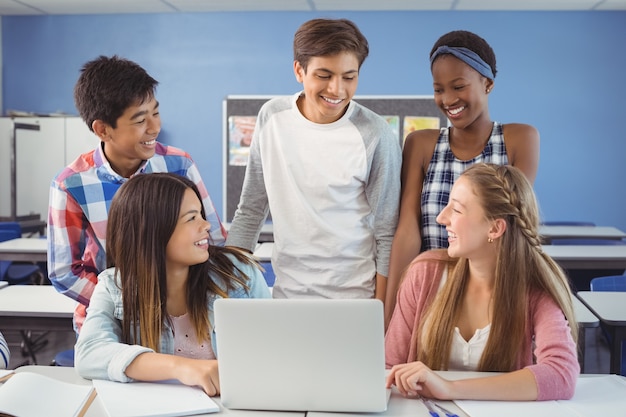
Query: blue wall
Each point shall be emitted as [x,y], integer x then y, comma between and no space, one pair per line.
[560,71]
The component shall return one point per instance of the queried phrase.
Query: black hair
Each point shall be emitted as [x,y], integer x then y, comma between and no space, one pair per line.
[107,86]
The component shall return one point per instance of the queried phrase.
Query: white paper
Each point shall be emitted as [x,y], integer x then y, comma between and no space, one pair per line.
[153,399]
[594,396]
[27,394]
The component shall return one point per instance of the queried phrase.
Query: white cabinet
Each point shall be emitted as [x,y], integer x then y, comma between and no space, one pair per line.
[39,156]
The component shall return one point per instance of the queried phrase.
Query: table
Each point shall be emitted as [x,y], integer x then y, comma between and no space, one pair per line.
[610,308]
[24,250]
[35,307]
[96,409]
[580,232]
[399,406]
[588,256]
[586,319]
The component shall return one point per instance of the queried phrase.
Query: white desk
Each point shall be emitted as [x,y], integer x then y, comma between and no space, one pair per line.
[586,319]
[35,307]
[24,249]
[580,232]
[610,307]
[588,256]
[399,406]
[96,409]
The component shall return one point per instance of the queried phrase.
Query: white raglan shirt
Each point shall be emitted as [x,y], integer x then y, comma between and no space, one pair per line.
[333,191]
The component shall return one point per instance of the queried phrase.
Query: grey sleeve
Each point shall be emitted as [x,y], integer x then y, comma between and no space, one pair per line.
[253,204]
[383,191]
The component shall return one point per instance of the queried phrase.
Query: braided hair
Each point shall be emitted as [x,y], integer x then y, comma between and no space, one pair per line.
[522,268]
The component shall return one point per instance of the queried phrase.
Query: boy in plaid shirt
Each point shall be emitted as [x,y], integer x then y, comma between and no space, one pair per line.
[116,98]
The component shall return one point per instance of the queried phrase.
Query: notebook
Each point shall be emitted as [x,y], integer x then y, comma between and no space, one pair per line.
[153,399]
[301,355]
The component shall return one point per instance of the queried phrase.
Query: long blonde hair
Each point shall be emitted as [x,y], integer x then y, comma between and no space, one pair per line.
[521,268]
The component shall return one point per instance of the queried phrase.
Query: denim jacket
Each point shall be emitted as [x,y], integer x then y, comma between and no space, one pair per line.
[100,354]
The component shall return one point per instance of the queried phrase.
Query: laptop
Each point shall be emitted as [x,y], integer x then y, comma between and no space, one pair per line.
[301,355]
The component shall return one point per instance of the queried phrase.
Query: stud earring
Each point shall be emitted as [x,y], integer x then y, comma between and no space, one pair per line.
[488,90]
[490,240]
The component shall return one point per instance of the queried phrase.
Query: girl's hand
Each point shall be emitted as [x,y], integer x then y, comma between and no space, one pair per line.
[415,378]
[202,373]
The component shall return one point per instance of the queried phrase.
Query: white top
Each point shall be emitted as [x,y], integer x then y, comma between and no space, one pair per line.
[333,191]
[465,355]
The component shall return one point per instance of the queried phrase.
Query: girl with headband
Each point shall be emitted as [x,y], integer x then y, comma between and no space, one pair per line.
[463,68]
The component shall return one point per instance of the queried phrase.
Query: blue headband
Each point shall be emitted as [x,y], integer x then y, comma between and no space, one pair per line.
[471,58]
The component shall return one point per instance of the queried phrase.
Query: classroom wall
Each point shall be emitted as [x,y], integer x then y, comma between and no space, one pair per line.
[560,71]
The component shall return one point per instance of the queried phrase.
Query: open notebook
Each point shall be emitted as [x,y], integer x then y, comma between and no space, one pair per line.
[301,355]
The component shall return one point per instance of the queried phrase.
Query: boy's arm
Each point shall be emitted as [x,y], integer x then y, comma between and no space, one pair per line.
[73,249]
[383,194]
[253,204]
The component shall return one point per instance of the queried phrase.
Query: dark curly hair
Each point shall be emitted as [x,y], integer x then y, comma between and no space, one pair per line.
[471,41]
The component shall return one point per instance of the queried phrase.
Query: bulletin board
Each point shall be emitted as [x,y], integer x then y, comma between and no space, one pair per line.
[403,113]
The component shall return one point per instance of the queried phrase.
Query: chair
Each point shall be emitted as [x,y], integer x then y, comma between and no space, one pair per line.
[611,283]
[567,223]
[581,278]
[64,358]
[269,273]
[17,272]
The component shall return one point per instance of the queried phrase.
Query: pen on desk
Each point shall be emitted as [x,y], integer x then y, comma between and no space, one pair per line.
[429,405]
[447,412]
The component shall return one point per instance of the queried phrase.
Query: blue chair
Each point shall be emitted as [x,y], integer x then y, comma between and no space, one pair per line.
[16,272]
[269,273]
[611,283]
[567,223]
[64,358]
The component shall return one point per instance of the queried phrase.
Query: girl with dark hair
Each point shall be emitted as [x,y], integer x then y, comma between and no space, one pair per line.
[151,313]
[463,67]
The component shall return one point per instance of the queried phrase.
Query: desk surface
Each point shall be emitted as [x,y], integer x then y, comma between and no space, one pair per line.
[608,306]
[588,256]
[97,409]
[398,405]
[24,249]
[581,232]
[584,316]
[35,301]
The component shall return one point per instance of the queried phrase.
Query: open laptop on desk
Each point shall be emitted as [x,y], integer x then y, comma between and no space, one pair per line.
[301,355]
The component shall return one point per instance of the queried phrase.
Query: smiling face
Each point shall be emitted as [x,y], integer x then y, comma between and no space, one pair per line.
[460,91]
[134,138]
[329,84]
[189,243]
[466,222]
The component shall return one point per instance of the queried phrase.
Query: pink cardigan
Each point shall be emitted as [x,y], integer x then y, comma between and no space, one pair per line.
[556,367]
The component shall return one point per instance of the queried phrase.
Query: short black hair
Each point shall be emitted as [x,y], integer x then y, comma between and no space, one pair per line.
[107,86]
[327,37]
[471,41]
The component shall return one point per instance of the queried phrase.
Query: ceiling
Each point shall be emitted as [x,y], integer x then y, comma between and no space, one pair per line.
[51,7]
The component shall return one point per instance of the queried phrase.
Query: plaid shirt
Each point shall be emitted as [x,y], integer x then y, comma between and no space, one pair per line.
[80,197]
[444,168]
